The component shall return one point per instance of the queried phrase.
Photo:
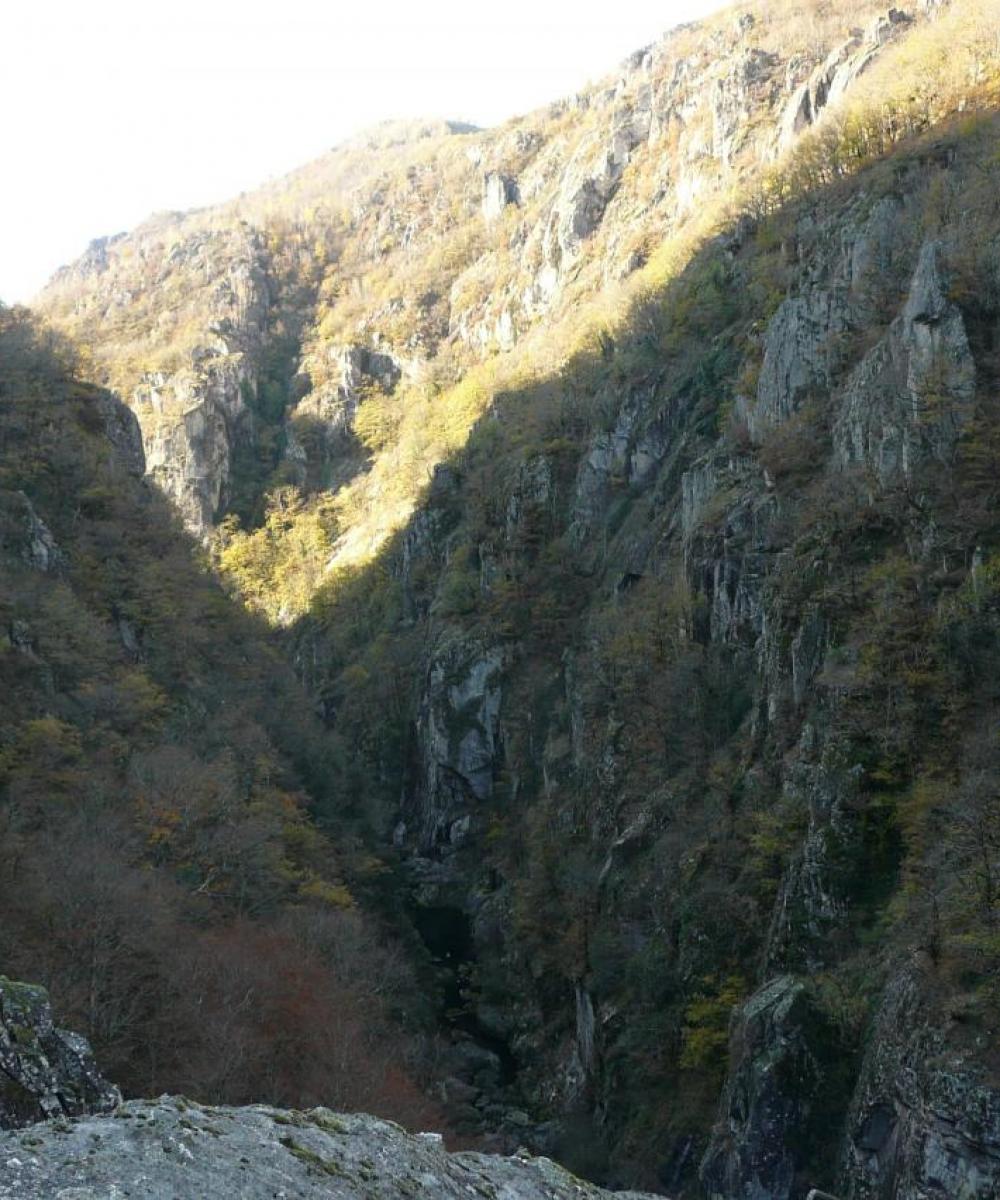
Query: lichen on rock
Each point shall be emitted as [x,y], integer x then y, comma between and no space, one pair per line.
[170,1147]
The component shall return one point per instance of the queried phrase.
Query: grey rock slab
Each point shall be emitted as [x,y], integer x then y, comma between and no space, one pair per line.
[169,1149]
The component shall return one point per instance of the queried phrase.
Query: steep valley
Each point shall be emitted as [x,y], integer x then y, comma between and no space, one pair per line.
[501,627]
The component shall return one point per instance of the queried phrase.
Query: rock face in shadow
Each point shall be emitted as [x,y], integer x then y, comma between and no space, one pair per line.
[171,1147]
[862,392]
[781,1053]
[24,536]
[909,398]
[44,1071]
[923,1122]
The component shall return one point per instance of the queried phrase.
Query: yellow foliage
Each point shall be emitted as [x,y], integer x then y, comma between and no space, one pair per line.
[706,1023]
[333,894]
[278,567]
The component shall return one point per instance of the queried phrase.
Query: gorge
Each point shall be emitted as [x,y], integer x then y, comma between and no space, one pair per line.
[499,630]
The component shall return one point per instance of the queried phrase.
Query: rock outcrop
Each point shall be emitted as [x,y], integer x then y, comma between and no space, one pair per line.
[498,191]
[193,411]
[781,1054]
[24,536]
[321,448]
[924,1122]
[67,1133]
[831,80]
[44,1071]
[910,397]
[460,736]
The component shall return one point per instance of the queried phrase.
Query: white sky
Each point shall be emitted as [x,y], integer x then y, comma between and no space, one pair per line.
[114,109]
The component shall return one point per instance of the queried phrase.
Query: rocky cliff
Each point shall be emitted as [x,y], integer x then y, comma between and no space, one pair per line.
[678,741]
[660,775]
[629,498]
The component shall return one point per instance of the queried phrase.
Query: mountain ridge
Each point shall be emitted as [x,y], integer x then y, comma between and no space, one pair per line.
[412,327]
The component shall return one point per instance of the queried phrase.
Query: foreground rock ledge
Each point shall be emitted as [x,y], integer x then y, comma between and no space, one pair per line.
[173,1149]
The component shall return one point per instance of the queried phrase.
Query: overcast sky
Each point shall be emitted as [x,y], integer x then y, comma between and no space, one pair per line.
[114,109]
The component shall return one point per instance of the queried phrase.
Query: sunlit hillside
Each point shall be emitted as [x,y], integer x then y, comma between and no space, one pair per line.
[302,357]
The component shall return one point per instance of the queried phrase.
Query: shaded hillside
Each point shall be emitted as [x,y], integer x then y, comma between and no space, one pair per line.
[160,769]
[685,670]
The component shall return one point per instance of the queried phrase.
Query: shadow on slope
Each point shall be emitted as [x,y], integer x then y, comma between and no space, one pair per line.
[628,850]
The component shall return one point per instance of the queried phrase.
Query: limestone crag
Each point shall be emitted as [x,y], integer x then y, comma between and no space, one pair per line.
[830,81]
[193,410]
[498,191]
[321,447]
[461,739]
[911,395]
[810,915]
